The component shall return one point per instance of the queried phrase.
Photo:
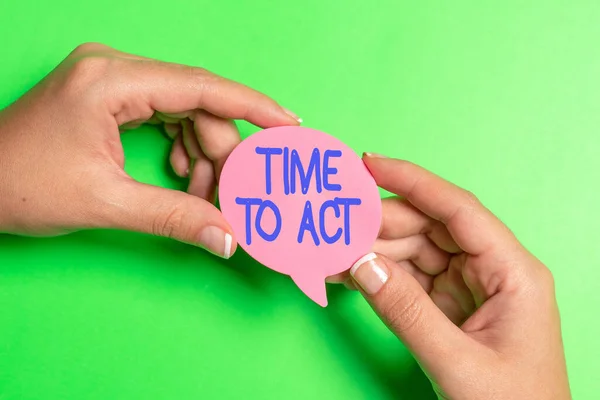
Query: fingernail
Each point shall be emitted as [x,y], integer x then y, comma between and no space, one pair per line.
[293,115]
[375,155]
[216,241]
[370,273]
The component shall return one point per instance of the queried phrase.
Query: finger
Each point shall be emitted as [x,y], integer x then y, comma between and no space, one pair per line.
[202,179]
[424,279]
[474,228]
[179,158]
[143,208]
[418,249]
[451,294]
[409,312]
[100,49]
[401,219]
[172,118]
[173,88]
[189,140]
[449,306]
[338,278]
[439,235]
[349,284]
[417,254]
[154,120]
[172,129]
[202,173]
[132,125]
[217,138]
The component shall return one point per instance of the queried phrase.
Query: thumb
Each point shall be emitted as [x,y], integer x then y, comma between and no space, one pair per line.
[149,209]
[409,312]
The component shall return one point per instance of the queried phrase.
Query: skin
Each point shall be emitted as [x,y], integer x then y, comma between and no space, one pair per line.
[476,309]
[61,158]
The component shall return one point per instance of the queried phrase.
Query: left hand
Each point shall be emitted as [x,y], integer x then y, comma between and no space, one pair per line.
[61,158]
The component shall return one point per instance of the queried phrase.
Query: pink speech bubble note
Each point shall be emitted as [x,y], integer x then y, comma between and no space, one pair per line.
[301,203]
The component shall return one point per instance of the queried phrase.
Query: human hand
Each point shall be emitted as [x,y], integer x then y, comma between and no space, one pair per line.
[476,309]
[61,158]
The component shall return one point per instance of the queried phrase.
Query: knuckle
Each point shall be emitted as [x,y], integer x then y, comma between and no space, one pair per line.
[201,79]
[91,66]
[88,47]
[86,76]
[469,204]
[430,226]
[169,224]
[404,163]
[198,74]
[537,284]
[199,71]
[404,313]
[469,270]
[471,199]
[546,278]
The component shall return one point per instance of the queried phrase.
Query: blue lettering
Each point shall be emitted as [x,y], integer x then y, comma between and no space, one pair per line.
[336,209]
[334,187]
[259,213]
[286,170]
[268,151]
[248,202]
[308,224]
[347,202]
[314,166]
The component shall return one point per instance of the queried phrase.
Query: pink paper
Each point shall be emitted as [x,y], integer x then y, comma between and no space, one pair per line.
[312,216]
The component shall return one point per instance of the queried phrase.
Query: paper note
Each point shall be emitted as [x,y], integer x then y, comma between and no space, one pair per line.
[302,203]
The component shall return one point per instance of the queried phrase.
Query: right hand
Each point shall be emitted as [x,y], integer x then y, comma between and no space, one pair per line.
[475,308]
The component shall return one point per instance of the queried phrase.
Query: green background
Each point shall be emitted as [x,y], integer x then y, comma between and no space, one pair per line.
[500,97]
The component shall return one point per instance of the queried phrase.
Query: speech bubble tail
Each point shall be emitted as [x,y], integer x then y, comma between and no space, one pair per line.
[312,287]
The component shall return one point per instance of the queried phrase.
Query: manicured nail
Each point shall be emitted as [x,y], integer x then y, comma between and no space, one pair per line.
[293,115]
[375,155]
[370,272]
[216,241]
